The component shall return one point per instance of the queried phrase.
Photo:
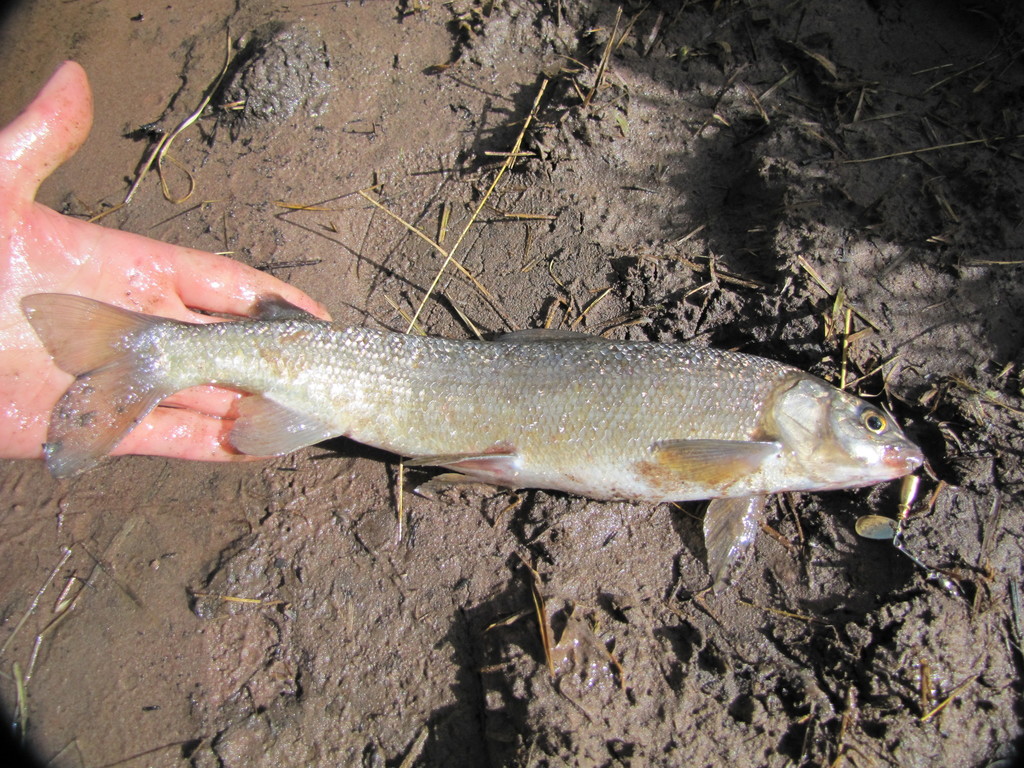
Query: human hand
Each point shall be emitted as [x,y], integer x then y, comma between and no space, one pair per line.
[42,251]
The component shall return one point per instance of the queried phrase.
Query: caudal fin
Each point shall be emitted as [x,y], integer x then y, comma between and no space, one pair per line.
[116,386]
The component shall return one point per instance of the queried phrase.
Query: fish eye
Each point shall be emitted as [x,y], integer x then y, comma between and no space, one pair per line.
[873,421]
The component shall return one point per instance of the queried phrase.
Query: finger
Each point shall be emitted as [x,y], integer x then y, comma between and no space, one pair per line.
[29,387]
[181,434]
[208,400]
[46,133]
[219,284]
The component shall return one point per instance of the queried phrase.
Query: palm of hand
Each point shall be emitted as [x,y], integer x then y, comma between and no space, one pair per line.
[43,251]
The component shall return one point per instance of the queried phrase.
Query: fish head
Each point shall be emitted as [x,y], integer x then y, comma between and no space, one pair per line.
[838,440]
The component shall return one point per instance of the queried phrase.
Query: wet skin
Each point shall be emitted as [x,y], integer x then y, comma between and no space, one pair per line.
[44,251]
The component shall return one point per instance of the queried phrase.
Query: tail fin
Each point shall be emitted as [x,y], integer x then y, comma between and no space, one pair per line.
[115,386]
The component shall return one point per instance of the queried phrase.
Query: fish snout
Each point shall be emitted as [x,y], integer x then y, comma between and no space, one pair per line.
[902,458]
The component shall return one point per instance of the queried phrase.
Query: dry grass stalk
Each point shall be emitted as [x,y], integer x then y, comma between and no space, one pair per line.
[449,254]
[945,702]
[827,289]
[449,258]
[605,58]
[540,607]
[590,305]
[400,532]
[992,398]
[417,747]
[787,614]
[243,600]
[159,151]
[465,319]
[38,596]
[935,148]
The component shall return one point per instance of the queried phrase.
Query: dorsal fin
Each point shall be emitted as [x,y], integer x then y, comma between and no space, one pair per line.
[272,307]
[546,334]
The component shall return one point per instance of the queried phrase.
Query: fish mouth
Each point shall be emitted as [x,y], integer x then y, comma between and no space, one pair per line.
[902,459]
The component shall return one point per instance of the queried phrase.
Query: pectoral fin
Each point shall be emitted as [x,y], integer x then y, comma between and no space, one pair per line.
[730,527]
[712,462]
[267,428]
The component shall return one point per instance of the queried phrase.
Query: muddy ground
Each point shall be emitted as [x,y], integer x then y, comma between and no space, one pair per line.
[741,175]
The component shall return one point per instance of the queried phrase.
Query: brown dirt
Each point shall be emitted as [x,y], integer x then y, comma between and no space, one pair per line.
[719,152]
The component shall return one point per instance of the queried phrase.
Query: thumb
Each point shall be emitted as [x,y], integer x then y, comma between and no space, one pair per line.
[46,133]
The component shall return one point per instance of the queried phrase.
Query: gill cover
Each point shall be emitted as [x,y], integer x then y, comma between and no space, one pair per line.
[801,415]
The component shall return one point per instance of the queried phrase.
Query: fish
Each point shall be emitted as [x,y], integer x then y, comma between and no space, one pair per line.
[565,411]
